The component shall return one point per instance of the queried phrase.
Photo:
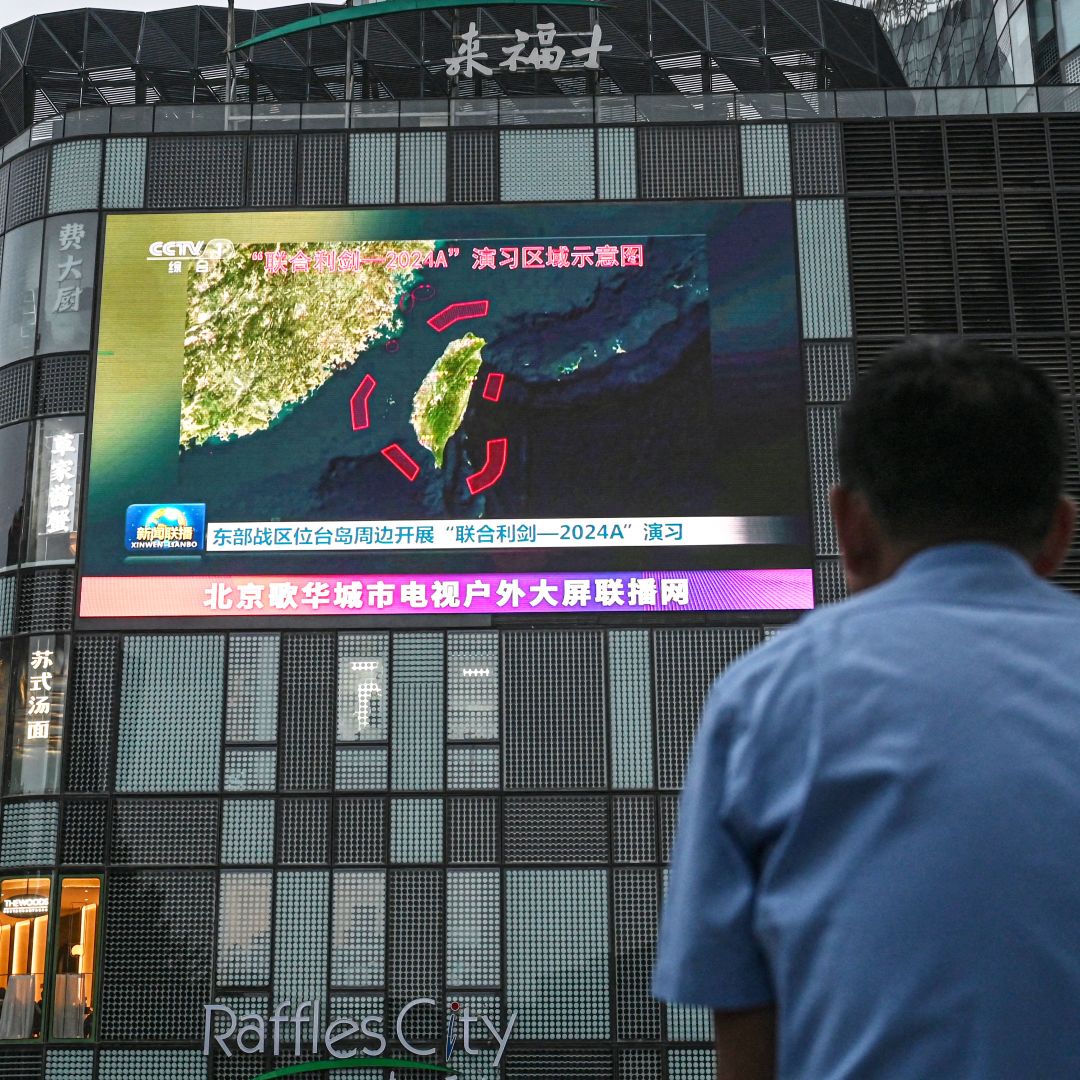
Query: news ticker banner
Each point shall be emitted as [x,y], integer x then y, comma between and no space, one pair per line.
[476,594]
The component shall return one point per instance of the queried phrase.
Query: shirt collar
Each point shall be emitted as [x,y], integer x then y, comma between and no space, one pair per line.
[966,560]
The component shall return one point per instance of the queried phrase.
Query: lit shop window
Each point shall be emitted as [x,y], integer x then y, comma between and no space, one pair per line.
[29,917]
[54,491]
[38,714]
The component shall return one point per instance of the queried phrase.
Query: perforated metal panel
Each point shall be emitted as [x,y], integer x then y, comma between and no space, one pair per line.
[195,171]
[543,165]
[69,1065]
[690,161]
[358,951]
[26,187]
[422,166]
[322,169]
[28,837]
[633,829]
[817,165]
[84,832]
[304,831]
[248,830]
[686,664]
[829,367]
[618,163]
[630,675]
[416,760]
[474,166]
[171,832]
[152,1065]
[45,602]
[823,268]
[273,170]
[75,176]
[15,382]
[7,603]
[160,922]
[416,946]
[307,711]
[251,699]
[62,384]
[556,829]
[170,713]
[372,168]
[21,1063]
[822,422]
[125,174]
[301,935]
[243,951]
[829,582]
[472,829]
[416,830]
[766,159]
[361,831]
[636,916]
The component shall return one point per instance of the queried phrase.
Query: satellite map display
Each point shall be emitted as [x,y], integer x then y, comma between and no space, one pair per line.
[589,407]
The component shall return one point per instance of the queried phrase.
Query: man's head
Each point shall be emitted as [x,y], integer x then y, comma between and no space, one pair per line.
[944,442]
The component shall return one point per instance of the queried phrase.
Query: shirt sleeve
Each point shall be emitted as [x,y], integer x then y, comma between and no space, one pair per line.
[707,952]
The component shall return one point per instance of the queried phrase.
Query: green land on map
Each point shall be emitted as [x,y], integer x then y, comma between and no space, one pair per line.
[439,404]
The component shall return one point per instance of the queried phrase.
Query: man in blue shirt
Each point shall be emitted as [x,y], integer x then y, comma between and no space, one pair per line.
[876,874]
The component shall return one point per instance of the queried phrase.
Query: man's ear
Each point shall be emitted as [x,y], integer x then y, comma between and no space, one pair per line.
[862,543]
[1055,545]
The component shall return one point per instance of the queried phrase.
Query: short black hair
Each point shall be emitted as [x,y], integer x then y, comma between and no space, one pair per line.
[948,441]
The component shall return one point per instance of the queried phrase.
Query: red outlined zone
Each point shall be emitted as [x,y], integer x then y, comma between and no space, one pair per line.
[493,467]
[358,403]
[463,309]
[493,386]
[401,461]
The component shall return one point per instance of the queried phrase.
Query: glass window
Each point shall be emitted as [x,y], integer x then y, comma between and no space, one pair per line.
[19,292]
[24,935]
[38,719]
[54,490]
[12,491]
[1023,68]
[76,958]
[1068,25]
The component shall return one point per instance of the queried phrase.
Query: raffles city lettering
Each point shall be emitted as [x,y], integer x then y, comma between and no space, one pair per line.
[303,1030]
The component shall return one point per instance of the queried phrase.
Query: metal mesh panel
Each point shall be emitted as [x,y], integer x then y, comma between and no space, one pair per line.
[359,942]
[472,829]
[830,370]
[251,698]
[631,709]
[568,1063]
[557,954]
[641,1065]
[75,177]
[472,767]
[829,582]
[472,928]
[416,946]
[21,1063]
[636,915]
[416,750]
[547,165]
[15,382]
[26,187]
[877,301]
[416,830]
[474,166]
[361,831]
[176,832]
[634,829]
[152,1065]
[322,169]
[248,831]
[422,166]
[555,722]
[125,174]
[691,1065]
[7,604]
[62,384]
[868,157]
[688,1023]
[688,162]
[301,935]
[304,831]
[372,167]
[69,1065]
[823,268]
[687,662]
[618,163]
[84,832]
[273,170]
[243,956]
[553,829]
[90,712]
[46,599]
[29,834]
[196,171]
[156,956]
[822,422]
[170,713]
[669,812]
[250,769]
[362,688]
[362,768]
[766,164]
[816,161]
[307,711]
[472,677]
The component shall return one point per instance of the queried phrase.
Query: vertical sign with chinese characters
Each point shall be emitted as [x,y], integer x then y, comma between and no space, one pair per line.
[67,282]
[39,715]
[55,491]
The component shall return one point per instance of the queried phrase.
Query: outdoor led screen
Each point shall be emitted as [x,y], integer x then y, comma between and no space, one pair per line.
[485,410]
